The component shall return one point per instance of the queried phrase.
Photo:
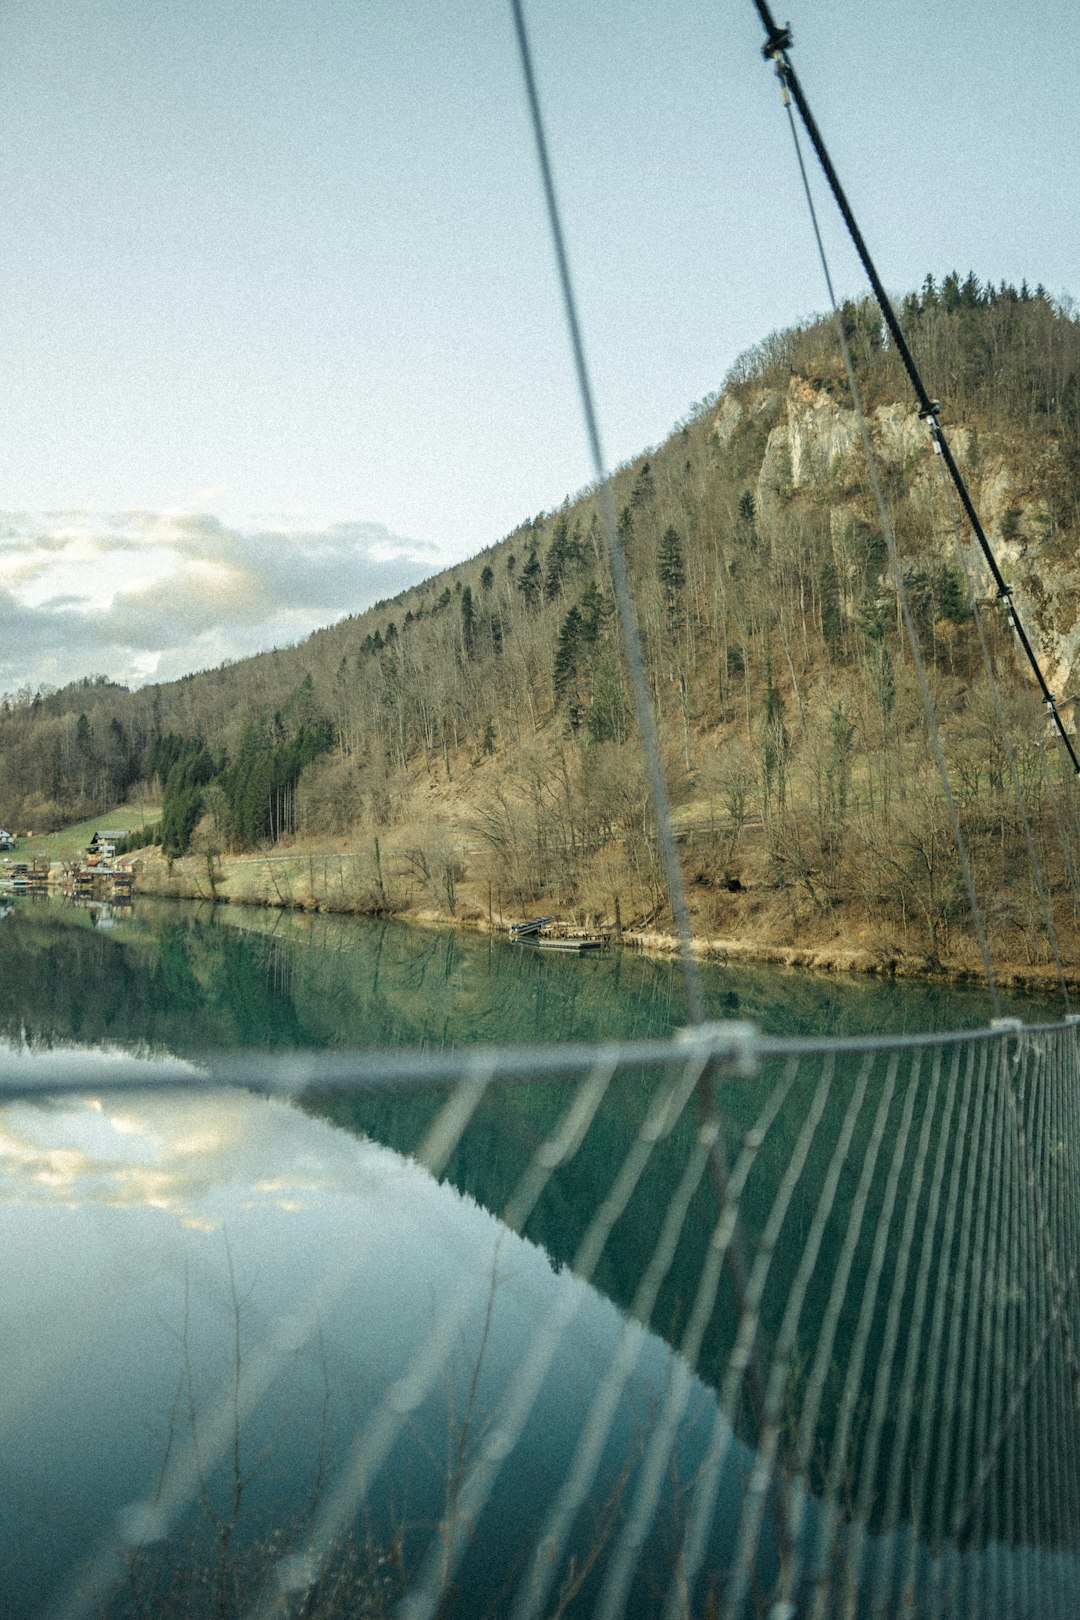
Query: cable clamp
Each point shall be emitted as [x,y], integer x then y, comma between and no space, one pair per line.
[779,40]
[732,1043]
[931,413]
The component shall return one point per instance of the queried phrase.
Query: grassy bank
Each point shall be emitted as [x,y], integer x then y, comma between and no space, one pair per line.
[383,878]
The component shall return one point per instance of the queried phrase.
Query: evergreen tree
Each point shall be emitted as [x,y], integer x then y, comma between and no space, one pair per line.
[531,581]
[468,623]
[594,611]
[566,655]
[644,487]
[557,558]
[672,572]
[832,622]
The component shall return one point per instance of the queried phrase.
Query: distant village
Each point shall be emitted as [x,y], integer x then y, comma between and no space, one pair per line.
[94,874]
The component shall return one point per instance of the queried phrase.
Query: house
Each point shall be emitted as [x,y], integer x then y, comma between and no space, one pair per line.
[102,847]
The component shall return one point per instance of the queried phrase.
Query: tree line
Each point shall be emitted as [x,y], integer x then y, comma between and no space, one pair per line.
[772,636]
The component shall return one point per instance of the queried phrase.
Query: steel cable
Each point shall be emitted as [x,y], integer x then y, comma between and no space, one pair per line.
[898,575]
[1010,753]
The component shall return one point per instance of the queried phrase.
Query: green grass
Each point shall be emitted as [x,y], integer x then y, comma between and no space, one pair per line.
[70,841]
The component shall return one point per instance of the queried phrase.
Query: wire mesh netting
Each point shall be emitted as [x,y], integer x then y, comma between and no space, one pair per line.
[761,1327]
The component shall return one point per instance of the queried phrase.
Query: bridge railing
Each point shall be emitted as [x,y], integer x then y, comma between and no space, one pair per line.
[805,1342]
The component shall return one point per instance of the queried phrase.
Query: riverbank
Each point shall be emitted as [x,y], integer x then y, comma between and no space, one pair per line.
[766,931]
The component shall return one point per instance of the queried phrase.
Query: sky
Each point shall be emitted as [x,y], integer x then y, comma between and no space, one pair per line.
[279,325]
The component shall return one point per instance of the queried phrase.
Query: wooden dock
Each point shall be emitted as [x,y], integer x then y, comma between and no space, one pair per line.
[551,935]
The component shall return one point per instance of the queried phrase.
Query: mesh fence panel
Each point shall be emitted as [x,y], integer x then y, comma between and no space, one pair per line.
[840,1375]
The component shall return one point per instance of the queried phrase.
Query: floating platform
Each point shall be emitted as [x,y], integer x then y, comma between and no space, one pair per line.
[531,925]
[551,935]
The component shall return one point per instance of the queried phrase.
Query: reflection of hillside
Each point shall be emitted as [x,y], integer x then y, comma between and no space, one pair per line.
[212,1233]
[191,978]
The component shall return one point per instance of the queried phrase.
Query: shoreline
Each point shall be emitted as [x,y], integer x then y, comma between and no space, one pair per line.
[235,880]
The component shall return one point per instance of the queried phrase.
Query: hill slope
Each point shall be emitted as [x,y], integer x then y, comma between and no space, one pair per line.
[479,727]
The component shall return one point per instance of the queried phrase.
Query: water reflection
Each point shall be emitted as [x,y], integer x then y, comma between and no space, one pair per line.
[243,1331]
[187,978]
[237,1337]
[222,1292]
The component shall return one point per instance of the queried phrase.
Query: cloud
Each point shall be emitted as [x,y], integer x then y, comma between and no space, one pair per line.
[151,595]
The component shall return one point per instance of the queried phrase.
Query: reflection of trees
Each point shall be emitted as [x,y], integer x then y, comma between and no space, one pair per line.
[297,1552]
[192,979]
[227,1551]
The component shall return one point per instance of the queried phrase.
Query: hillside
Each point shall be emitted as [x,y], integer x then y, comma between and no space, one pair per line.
[473,737]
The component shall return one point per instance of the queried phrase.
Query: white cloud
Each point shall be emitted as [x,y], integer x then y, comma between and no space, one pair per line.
[143,595]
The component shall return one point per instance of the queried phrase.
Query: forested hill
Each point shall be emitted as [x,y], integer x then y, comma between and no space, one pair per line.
[487,709]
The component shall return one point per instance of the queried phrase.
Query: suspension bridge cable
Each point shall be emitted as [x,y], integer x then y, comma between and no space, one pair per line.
[1010,753]
[897,571]
[635,659]
[676,890]
[778,43]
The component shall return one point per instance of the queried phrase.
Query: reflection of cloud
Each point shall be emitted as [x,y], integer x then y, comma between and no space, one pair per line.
[137,595]
[167,1155]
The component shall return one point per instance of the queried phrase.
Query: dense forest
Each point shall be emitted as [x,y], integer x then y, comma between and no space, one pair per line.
[480,726]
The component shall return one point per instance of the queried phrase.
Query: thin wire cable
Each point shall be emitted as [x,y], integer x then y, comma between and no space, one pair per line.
[1003,729]
[613,1597]
[920,1461]
[650,741]
[769,1443]
[902,1403]
[898,573]
[775,50]
[635,660]
[842,1459]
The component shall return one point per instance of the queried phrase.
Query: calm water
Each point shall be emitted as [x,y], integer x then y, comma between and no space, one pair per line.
[221,1310]
[186,978]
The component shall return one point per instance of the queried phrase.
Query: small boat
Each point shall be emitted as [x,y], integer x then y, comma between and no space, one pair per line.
[531,925]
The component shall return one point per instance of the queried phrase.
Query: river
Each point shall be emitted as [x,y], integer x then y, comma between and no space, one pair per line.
[257,1352]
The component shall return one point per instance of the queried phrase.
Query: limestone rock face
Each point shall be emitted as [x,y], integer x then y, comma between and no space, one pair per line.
[820,433]
[728,416]
[815,452]
[898,435]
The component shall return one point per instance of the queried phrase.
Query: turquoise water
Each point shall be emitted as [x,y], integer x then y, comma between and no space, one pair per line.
[190,978]
[240,1326]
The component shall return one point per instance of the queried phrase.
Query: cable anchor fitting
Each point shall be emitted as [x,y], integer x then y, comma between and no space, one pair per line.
[779,40]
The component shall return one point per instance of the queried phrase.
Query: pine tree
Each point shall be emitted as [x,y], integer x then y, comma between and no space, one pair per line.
[468,623]
[594,610]
[531,580]
[832,623]
[672,571]
[566,656]
[644,487]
